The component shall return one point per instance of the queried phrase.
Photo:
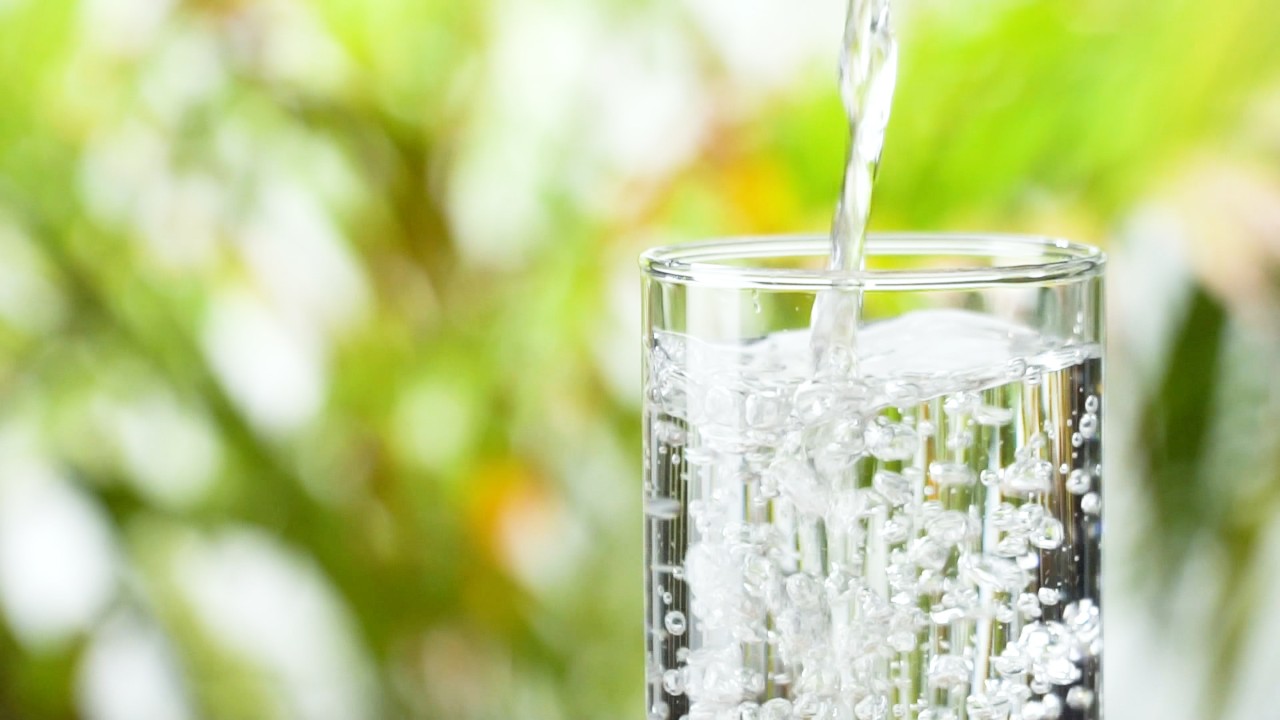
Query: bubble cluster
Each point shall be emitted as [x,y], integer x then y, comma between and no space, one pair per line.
[841,546]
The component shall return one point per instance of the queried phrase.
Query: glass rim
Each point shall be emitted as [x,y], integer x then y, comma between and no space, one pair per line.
[1020,260]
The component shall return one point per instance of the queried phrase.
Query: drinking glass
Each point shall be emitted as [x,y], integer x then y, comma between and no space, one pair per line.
[914,534]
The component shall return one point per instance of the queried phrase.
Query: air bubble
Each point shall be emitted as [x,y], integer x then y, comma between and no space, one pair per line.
[952,474]
[896,530]
[764,411]
[721,406]
[1092,404]
[1061,671]
[1029,605]
[1025,477]
[1078,482]
[961,403]
[872,707]
[927,553]
[1048,536]
[803,590]
[949,528]
[987,707]
[673,682]
[1004,613]
[902,394]
[1089,426]
[1012,546]
[776,709]
[893,487]
[949,671]
[1083,620]
[675,623]
[1079,698]
[1048,596]
[996,573]
[960,441]
[1091,504]
[1017,368]
[1011,662]
[813,401]
[662,508]
[902,641]
[992,416]
[1005,516]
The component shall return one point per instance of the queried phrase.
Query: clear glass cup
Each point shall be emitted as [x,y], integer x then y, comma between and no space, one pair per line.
[916,536]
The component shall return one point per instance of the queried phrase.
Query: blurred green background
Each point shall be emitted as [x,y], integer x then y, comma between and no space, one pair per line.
[319,325]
